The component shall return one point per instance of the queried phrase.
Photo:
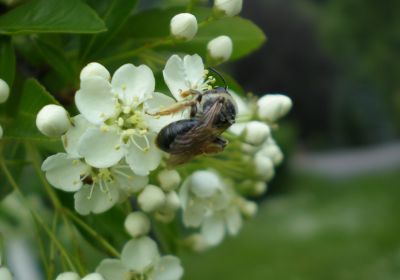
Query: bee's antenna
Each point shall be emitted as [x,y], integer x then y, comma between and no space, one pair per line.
[219,75]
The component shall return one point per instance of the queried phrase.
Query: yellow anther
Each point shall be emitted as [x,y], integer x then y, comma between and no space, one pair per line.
[105,128]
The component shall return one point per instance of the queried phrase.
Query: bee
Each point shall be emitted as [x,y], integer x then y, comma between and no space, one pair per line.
[211,113]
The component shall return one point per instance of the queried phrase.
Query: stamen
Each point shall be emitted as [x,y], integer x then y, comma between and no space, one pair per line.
[91,191]
[130,177]
[136,144]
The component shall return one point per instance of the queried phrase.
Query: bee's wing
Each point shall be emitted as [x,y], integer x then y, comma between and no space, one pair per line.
[193,141]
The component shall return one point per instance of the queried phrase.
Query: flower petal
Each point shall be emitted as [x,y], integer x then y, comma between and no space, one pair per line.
[194,70]
[64,173]
[127,180]
[233,220]
[142,162]
[91,199]
[194,213]
[112,269]
[101,148]
[95,100]
[168,268]
[71,138]
[213,230]
[133,84]
[140,254]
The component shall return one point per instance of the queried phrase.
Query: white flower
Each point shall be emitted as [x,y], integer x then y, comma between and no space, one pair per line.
[255,132]
[151,198]
[220,48]
[185,75]
[97,190]
[68,276]
[272,107]
[229,7]
[53,120]
[169,179]
[94,69]
[93,276]
[122,127]
[5,274]
[71,138]
[184,26]
[4,91]
[137,224]
[140,259]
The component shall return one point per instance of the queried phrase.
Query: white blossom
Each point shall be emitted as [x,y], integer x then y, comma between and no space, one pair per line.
[169,179]
[229,7]
[220,48]
[272,107]
[137,224]
[151,198]
[140,259]
[184,26]
[94,69]
[4,91]
[53,120]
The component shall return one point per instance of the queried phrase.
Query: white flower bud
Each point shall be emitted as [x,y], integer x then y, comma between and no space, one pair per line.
[260,188]
[184,26]
[5,274]
[272,107]
[249,149]
[273,152]
[169,179]
[248,208]
[229,7]
[1,132]
[4,91]
[151,198]
[220,49]
[164,216]
[264,166]
[68,276]
[256,132]
[52,120]
[204,183]
[172,201]
[93,276]
[197,243]
[137,224]
[94,69]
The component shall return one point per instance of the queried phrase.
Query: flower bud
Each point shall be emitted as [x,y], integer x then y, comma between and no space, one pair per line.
[151,198]
[52,120]
[249,149]
[248,208]
[197,243]
[137,224]
[68,276]
[272,107]
[260,188]
[204,183]
[256,132]
[229,7]
[4,91]
[164,216]
[169,179]
[172,201]
[5,274]
[184,26]
[93,276]
[273,152]
[94,69]
[220,49]
[264,166]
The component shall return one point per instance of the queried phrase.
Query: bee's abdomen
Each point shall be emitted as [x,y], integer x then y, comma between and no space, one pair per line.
[168,134]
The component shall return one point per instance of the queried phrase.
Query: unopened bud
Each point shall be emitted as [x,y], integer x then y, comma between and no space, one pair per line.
[164,216]
[184,26]
[272,107]
[137,224]
[4,91]
[204,183]
[68,276]
[172,201]
[264,166]
[260,188]
[256,132]
[229,7]
[52,120]
[273,152]
[220,49]
[151,198]
[197,243]
[248,208]
[93,276]
[169,179]
[94,69]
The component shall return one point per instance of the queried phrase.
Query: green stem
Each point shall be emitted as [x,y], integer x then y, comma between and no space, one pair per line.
[52,247]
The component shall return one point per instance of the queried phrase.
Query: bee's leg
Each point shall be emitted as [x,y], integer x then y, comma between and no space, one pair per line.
[178,106]
[190,92]
[217,146]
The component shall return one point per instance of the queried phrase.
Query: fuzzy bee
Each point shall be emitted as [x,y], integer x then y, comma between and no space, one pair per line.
[211,113]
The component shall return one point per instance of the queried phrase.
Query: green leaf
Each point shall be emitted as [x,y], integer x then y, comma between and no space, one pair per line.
[56,58]
[51,16]
[118,11]
[34,97]
[7,60]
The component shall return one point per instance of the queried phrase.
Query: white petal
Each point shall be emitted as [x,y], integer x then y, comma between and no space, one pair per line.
[194,213]
[133,84]
[140,254]
[158,102]
[142,162]
[93,200]
[71,138]
[233,220]
[205,183]
[95,100]
[213,230]
[128,180]
[101,148]
[237,128]
[112,269]
[194,70]
[64,173]
[168,268]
